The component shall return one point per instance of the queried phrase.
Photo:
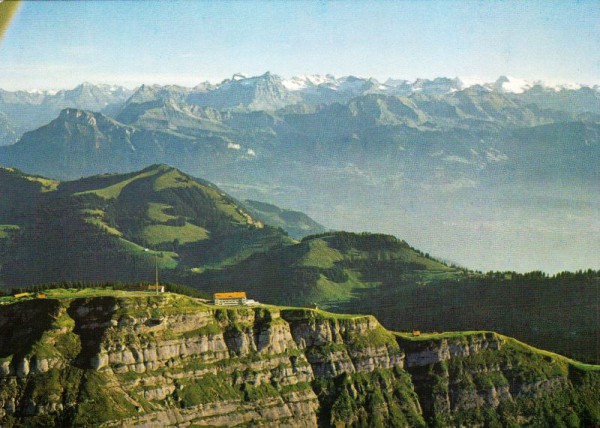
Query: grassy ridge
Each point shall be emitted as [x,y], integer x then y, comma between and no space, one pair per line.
[98,228]
[330,269]
[113,192]
[297,224]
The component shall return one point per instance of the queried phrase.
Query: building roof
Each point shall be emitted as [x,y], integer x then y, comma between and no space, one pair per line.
[230,295]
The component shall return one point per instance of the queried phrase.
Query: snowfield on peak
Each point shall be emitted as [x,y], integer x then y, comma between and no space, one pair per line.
[298,83]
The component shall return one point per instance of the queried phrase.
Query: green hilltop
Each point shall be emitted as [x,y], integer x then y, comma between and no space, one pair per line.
[329,270]
[99,228]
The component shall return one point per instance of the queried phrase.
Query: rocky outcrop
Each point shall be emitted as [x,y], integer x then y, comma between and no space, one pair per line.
[456,376]
[325,341]
[293,410]
[157,358]
[170,360]
[423,353]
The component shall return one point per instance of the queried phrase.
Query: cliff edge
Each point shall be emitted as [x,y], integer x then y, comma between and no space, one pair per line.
[171,360]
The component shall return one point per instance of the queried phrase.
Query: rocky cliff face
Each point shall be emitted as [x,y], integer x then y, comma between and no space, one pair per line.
[173,361]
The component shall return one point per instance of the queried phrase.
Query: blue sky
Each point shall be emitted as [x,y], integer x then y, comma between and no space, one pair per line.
[60,44]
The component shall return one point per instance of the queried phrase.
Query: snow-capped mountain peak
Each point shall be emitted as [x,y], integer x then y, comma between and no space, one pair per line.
[298,83]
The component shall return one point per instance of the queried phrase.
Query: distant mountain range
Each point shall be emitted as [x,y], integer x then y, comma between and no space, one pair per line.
[26,111]
[463,172]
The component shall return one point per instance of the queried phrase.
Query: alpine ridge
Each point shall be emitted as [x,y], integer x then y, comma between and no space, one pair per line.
[521,161]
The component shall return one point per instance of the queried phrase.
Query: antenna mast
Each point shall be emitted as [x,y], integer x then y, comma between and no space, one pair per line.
[156,270]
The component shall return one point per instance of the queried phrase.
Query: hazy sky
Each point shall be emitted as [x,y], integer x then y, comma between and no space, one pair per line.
[60,44]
